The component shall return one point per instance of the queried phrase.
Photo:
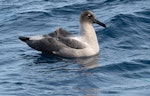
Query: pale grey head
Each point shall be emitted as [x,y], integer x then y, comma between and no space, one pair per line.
[88,17]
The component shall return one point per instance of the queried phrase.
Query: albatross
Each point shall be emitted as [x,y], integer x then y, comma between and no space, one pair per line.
[65,44]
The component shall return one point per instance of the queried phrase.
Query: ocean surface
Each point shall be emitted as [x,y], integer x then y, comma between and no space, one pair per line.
[122,67]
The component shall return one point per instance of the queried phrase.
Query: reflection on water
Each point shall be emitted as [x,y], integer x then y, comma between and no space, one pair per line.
[86,63]
[48,68]
[89,91]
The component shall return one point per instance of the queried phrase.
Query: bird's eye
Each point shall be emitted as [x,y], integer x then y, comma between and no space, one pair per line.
[89,15]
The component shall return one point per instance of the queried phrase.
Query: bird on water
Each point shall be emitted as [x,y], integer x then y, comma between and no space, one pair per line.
[65,44]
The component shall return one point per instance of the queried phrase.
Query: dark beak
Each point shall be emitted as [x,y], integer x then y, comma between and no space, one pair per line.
[99,23]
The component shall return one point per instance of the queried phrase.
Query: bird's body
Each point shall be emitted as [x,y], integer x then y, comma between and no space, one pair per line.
[65,44]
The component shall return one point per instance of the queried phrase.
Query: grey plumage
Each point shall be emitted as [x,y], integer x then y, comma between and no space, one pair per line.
[64,43]
[53,41]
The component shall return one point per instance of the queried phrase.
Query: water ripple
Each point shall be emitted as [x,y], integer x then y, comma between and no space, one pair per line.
[121,68]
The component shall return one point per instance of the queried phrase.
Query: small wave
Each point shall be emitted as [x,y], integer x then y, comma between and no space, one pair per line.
[71,9]
[145,13]
[120,1]
[146,62]
[128,31]
[39,13]
[122,67]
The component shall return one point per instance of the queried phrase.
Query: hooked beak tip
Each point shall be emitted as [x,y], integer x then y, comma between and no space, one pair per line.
[99,23]
[104,26]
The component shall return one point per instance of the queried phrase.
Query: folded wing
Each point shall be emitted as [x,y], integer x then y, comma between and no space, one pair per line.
[53,41]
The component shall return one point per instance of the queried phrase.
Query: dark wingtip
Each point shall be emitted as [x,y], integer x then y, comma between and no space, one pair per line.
[24,38]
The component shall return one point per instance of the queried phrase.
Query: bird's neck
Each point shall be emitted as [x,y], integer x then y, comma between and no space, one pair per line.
[87,31]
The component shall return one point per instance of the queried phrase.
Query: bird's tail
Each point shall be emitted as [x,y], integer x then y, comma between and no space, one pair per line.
[24,39]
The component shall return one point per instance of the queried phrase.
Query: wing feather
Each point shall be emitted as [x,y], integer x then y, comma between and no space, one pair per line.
[72,43]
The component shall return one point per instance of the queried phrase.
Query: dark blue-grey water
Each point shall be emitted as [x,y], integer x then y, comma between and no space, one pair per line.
[121,69]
